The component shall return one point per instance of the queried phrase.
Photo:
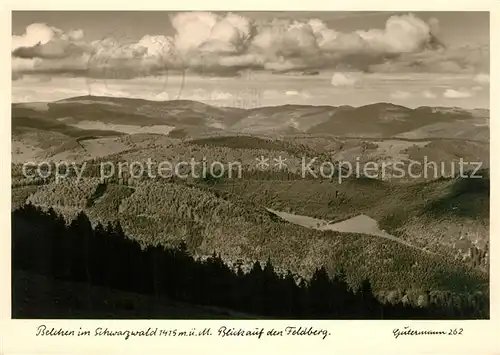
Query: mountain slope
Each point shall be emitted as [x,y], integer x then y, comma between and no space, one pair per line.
[167,213]
[374,120]
[387,120]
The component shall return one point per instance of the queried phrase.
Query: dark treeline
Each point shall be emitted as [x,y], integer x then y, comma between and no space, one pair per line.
[42,243]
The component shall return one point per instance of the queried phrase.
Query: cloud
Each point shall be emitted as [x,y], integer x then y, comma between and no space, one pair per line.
[162,96]
[209,95]
[223,44]
[343,79]
[402,34]
[456,94]
[229,35]
[45,42]
[35,34]
[291,93]
[400,95]
[193,29]
[452,59]
[429,94]
[482,78]
[220,95]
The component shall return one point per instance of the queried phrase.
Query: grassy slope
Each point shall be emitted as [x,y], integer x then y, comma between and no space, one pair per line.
[32,293]
[27,124]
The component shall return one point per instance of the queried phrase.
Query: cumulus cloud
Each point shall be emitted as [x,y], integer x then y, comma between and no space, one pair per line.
[302,94]
[452,59]
[41,41]
[400,95]
[224,44]
[193,29]
[209,95]
[229,35]
[343,79]
[402,34]
[43,48]
[456,94]
[36,34]
[429,94]
[482,78]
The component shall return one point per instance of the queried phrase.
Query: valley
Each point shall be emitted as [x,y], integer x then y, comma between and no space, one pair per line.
[405,235]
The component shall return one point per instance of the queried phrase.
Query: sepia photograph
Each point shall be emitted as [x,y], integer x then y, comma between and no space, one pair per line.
[250,165]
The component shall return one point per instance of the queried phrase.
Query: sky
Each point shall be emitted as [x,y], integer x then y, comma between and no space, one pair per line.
[250,59]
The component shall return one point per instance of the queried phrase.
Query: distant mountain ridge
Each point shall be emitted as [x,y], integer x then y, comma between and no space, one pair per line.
[373,120]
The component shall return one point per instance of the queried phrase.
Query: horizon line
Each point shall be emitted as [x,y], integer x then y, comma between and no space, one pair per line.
[250,108]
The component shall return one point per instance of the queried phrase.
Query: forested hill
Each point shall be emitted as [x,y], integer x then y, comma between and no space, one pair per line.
[107,258]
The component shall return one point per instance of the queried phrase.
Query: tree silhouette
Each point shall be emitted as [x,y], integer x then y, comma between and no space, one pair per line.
[43,244]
